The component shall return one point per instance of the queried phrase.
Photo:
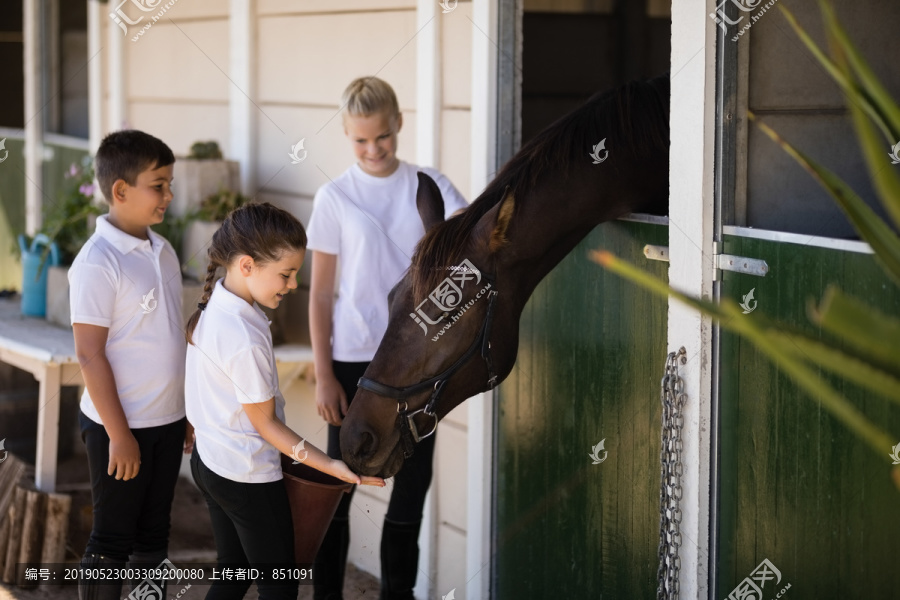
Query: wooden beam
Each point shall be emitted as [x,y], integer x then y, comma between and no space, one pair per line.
[34,146]
[428,83]
[116,113]
[480,431]
[242,117]
[95,73]
[48,430]
[691,193]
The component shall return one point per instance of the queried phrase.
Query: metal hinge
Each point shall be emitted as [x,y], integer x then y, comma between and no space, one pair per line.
[723,262]
[738,264]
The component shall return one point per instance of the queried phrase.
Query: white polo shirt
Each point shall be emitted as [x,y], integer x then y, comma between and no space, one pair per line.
[230,364]
[133,287]
[372,225]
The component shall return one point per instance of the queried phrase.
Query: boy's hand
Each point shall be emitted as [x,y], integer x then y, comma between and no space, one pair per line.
[124,458]
[340,470]
[331,401]
[188,437]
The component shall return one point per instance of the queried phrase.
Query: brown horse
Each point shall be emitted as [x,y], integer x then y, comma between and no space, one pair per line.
[454,317]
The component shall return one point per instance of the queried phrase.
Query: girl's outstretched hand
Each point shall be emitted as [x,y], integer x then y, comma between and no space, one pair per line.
[340,470]
[376,481]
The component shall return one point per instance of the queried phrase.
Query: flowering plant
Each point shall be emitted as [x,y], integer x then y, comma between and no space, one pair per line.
[66,219]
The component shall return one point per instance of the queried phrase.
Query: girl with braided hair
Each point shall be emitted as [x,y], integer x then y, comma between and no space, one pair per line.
[233,401]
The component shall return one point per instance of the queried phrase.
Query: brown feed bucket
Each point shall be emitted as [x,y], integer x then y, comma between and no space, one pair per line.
[314,498]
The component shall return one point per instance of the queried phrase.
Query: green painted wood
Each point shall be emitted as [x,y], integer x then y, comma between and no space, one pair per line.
[12,212]
[591,356]
[796,486]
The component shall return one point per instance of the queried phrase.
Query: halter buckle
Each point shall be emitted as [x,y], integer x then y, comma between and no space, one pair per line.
[412,424]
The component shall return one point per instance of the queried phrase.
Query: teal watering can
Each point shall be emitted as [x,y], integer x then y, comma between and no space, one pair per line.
[34,284]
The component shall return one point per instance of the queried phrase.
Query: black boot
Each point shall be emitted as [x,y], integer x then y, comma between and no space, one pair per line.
[399,560]
[331,562]
[92,589]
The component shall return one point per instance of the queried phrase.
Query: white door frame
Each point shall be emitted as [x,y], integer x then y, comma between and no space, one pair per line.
[692,127]
[480,438]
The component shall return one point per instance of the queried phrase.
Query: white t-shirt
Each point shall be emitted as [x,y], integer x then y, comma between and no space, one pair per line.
[133,287]
[373,226]
[230,364]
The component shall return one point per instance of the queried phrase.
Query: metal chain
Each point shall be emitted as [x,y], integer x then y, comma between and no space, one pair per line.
[672,397]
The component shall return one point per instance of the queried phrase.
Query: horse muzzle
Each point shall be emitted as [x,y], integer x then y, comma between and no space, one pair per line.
[366,451]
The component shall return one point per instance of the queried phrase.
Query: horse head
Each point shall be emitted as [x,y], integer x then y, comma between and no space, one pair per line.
[453,326]
[444,345]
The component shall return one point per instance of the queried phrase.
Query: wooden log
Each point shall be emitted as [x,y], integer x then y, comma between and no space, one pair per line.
[56,528]
[16,514]
[32,534]
[4,540]
[11,471]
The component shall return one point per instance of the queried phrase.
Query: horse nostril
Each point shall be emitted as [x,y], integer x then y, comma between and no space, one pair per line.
[366,444]
[359,445]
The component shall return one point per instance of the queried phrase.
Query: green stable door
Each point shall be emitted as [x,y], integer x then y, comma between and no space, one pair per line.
[591,356]
[796,487]
[803,505]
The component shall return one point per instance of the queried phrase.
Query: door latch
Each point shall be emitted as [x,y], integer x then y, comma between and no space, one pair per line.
[723,262]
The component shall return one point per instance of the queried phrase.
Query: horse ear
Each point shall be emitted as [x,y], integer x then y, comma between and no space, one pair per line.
[429,201]
[504,213]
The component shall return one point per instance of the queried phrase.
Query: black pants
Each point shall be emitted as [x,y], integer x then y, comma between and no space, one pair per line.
[410,484]
[252,526]
[133,517]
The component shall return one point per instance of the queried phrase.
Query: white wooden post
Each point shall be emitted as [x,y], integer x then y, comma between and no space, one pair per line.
[95,14]
[34,146]
[115,77]
[242,112]
[484,95]
[428,114]
[691,155]
[428,83]
[51,109]
[48,429]
[480,438]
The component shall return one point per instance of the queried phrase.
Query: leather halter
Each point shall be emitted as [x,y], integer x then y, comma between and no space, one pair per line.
[409,434]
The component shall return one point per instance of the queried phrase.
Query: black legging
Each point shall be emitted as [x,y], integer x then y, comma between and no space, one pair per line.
[410,484]
[252,527]
[133,516]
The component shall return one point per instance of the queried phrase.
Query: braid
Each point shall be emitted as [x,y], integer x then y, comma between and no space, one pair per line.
[207,292]
[261,231]
[209,283]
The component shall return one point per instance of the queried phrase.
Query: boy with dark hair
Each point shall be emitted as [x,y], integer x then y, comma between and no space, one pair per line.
[125,294]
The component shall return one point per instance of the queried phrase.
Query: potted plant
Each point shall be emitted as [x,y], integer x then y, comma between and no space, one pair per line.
[202,224]
[200,174]
[69,224]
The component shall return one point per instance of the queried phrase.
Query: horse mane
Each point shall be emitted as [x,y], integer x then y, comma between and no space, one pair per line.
[633,118]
